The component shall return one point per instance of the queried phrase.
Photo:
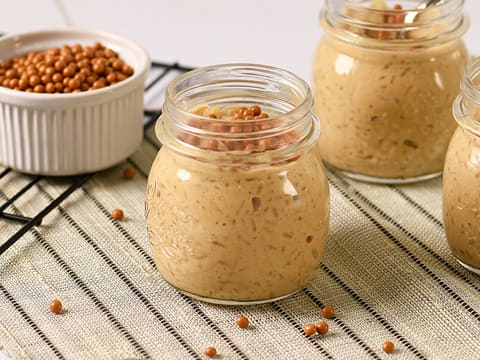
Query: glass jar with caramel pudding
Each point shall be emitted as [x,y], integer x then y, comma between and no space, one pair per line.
[385,76]
[238,198]
[461,177]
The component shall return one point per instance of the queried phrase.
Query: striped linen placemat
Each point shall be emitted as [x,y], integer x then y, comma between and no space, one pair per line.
[387,271]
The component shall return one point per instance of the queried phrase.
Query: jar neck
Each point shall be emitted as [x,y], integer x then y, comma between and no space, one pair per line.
[290,129]
[466,108]
[362,23]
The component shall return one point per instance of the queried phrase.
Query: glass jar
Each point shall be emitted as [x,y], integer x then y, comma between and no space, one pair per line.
[461,178]
[238,210]
[384,83]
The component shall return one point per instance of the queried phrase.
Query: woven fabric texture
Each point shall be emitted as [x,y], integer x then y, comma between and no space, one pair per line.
[387,271]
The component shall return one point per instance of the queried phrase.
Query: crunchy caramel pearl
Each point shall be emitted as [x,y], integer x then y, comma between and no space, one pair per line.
[68,71]
[60,65]
[248,113]
[50,88]
[250,147]
[210,351]
[49,61]
[212,145]
[256,110]
[109,53]
[127,70]
[117,64]
[91,79]
[129,173]
[328,312]
[264,144]
[242,321]
[82,64]
[50,71]
[265,126]
[100,54]
[74,84]
[31,70]
[57,77]
[117,214]
[89,52]
[13,83]
[54,51]
[98,84]
[39,88]
[77,48]
[80,77]
[98,68]
[262,116]
[23,83]
[322,327]
[309,329]
[388,347]
[85,71]
[41,69]
[79,57]
[120,76]
[235,129]
[67,58]
[46,79]
[56,306]
[238,116]
[111,77]
[10,73]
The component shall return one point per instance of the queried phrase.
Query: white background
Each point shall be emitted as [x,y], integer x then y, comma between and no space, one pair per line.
[283,33]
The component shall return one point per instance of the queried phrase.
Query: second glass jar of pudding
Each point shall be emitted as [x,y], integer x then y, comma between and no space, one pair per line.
[384,80]
[237,201]
[461,177]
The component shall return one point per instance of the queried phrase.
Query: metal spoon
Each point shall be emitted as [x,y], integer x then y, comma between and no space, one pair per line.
[410,17]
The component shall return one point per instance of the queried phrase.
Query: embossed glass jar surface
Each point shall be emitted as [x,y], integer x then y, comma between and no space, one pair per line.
[231,220]
[384,83]
[461,178]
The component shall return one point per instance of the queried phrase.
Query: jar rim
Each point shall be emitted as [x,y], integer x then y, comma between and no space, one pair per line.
[466,108]
[353,22]
[169,95]
[225,84]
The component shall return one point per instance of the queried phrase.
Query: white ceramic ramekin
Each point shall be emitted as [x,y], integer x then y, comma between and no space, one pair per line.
[68,134]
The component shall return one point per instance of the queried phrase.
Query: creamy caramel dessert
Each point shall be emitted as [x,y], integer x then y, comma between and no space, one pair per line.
[386,110]
[237,232]
[461,197]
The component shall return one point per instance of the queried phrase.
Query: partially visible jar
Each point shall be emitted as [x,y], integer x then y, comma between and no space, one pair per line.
[384,82]
[461,177]
[238,210]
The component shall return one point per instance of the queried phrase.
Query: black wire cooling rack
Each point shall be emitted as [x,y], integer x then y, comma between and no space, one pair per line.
[159,72]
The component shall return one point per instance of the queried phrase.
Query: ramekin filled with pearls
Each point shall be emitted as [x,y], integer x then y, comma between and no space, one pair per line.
[71,100]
